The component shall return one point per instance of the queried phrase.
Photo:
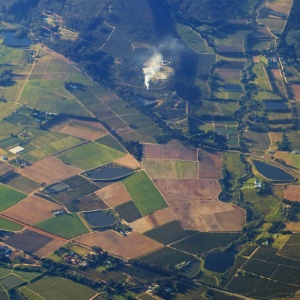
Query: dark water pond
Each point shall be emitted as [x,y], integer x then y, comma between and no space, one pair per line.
[276,105]
[11,40]
[232,87]
[272,172]
[108,172]
[100,219]
[221,261]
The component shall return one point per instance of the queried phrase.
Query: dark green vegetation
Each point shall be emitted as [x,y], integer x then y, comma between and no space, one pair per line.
[202,242]
[128,211]
[169,233]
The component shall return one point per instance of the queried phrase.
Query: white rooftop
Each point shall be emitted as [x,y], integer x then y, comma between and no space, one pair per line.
[16,150]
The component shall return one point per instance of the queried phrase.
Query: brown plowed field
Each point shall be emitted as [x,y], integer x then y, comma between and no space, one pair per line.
[209,165]
[49,170]
[81,129]
[49,248]
[5,169]
[231,74]
[275,73]
[128,161]
[131,246]
[114,194]
[31,210]
[33,242]
[158,218]
[169,152]
[295,90]
[292,192]
[196,205]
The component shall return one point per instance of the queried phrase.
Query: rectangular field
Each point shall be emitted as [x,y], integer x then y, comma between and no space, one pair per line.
[209,165]
[9,225]
[169,152]
[114,194]
[196,205]
[171,169]
[119,245]
[169,233]
[49,170]
[89,156]
[31,210]
[60,288]
[33,242]
[144,193]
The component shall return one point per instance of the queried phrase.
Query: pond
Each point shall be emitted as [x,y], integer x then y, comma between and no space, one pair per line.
[272,172]
[12,41]
[55,188]
[276,105]
[100,219]
[220,261]
[108,172]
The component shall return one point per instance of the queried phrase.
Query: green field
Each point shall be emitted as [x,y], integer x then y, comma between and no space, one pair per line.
[9,225]
[89,156]
[165,168]
[28,294]
[144,193]
[60,288]
[203,241]
[192,39]
[67,226]
[9,197]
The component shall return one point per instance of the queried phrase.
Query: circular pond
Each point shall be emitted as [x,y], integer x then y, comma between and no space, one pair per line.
[108,172]
[100,219]
[272,172]
[220,261]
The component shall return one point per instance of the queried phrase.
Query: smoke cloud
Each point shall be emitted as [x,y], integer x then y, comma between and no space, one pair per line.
[152,66]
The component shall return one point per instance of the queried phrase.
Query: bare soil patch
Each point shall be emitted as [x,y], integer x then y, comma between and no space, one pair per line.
[5,169]
[49,248]
[231,74]
[158,218]
[196,205]
[209,165]
[169,152]
[295,90]
[275,73]
[131,246]
[31,210]
[292,193]
[81,129]
[114,194]
[128,161]
[49,170]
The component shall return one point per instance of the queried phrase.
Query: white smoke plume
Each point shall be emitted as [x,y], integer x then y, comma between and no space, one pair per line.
[152,66]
